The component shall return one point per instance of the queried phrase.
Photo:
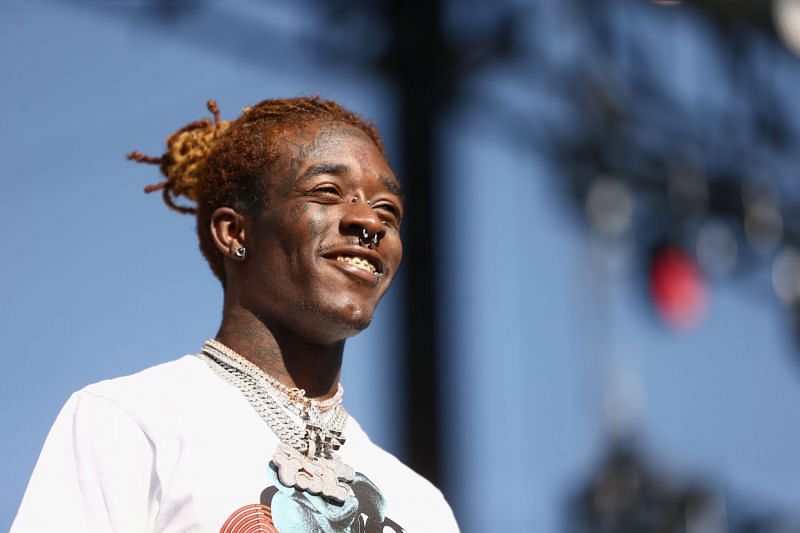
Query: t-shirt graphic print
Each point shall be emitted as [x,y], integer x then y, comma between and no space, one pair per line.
[288,510]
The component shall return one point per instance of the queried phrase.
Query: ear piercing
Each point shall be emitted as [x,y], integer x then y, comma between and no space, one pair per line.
[240,251]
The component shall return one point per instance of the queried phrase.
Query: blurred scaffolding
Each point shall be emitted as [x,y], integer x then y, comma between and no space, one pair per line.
[690,186]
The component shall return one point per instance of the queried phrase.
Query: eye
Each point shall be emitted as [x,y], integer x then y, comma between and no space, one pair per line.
[326,190]
[393,213]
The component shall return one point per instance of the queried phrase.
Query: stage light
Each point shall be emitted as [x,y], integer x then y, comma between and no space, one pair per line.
[677,288]
[609,206]
[786,275]
[786,16]
[666,2]
[687,190]
[763,224]
[716,248]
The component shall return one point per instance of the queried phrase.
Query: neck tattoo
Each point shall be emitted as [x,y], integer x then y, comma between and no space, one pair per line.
[310,431]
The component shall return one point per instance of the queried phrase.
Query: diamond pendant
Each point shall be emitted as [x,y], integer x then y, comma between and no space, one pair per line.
[315,475]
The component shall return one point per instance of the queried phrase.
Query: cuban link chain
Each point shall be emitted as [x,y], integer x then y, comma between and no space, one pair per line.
[310,431]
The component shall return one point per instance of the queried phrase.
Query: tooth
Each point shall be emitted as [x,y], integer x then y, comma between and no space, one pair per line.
[359,262]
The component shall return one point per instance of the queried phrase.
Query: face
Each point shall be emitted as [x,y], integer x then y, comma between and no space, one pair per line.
[310,269]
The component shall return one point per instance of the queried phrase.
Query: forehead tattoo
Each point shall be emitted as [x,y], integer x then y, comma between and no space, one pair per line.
[328,136]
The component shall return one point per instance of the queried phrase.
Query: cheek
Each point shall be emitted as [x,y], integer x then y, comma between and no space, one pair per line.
[318,220]
[394,256]
[297,211]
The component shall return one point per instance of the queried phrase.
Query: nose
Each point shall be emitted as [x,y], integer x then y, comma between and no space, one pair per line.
[358,217]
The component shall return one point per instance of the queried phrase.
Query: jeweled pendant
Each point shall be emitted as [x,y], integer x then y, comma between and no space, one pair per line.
[315,475]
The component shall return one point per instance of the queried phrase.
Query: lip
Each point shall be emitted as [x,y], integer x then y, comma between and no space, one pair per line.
[356,251]
[366,278]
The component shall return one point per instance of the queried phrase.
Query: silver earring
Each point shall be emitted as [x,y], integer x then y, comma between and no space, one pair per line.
[364,234]
[240,251]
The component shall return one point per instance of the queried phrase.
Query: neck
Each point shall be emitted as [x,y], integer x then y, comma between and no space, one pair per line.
[292,360]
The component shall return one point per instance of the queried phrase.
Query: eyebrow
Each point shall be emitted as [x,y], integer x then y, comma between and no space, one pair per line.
[392,185]
[335,169]
[339,169]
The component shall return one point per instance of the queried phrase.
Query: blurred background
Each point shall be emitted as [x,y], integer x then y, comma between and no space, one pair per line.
[596,327]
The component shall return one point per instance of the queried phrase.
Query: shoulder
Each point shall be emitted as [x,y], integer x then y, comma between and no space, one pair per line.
[158,383]
[164,392]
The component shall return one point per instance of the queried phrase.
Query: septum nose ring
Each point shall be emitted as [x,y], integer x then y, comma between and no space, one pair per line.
[366,240]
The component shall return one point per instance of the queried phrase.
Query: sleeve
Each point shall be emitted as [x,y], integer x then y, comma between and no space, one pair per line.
[448,518]
[96,473]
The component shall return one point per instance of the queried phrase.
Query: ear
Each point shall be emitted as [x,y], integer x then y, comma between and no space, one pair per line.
[228,232]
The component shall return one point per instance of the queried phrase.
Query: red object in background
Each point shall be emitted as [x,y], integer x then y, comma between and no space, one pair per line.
[678,289]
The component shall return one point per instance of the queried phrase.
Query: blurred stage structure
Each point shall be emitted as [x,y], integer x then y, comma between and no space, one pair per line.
[629,495]
[695,185]
[702,181]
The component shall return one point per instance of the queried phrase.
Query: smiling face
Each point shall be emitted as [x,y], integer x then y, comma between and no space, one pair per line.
[309,268]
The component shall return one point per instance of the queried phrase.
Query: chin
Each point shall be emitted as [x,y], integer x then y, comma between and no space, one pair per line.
[359,321]
[339,323]
[349,321]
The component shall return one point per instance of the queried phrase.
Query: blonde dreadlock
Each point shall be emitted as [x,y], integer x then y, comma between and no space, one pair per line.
[187,149]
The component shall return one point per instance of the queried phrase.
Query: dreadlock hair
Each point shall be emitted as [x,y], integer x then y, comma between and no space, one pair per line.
[223,163]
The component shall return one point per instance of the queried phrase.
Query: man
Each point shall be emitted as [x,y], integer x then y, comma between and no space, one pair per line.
[299,217]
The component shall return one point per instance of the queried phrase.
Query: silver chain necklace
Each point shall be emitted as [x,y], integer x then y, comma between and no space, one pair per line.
[310,431]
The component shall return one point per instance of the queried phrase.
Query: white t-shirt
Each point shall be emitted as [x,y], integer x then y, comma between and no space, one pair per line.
[177,448]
